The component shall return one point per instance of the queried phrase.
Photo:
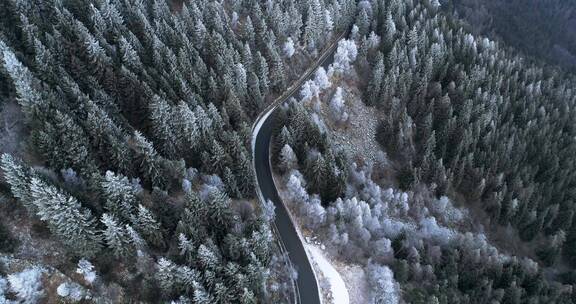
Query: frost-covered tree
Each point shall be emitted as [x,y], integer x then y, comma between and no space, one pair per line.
[344,57]
[150,161]
[268,210]
[18,176]
[148,226]
[231,183]
[373,40]
[255,95]
[3,290]
[313,212]
[309,91]
[201,69]
[328,21]
[309,207]
[363,21]
[120,196]
[383,250]
[288,159]
[312,26]
[27,285]
[65,144]
[373,93]
[337,107]
[116,236]
[26,84]
[296,190]
[68,220]
[289,49]
[134,237]
[389,30]
[385,288]
[166,275]
[262,70]
[321,79]
[277,71]
[86,269]
[163,124]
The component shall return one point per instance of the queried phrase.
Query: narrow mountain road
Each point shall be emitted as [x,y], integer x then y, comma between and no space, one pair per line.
[306,285]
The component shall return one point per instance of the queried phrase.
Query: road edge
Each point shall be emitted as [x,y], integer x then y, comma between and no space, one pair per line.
[260,119]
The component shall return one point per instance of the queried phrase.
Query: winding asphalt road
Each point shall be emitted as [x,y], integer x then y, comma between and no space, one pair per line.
[306,287]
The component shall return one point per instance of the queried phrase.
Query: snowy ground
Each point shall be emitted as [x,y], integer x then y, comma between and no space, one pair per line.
[358,135]
[338,291]
[356,282]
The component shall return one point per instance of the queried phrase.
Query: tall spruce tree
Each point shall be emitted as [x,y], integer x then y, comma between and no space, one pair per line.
[73,224]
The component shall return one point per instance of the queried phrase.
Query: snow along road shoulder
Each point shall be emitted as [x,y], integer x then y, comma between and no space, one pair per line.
[337,286]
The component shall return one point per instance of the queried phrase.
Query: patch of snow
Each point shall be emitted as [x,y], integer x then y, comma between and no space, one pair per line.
[337,287]
[63,290]
[355,278]
[72,291]
[357,135]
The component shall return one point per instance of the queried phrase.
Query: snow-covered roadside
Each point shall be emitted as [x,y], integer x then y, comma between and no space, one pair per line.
[337,286]
[351,276]
[355,278]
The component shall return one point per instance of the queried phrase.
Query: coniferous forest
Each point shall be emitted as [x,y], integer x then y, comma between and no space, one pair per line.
[466,124]
[133,144]
[540,29]
[127,171]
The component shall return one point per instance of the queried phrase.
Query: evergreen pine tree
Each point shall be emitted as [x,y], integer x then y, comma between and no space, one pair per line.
[374,87]
[68,220]
[116,236]
[149,227]
[18,176]
[150,166]
[262,72]
[231,183]
[120,196]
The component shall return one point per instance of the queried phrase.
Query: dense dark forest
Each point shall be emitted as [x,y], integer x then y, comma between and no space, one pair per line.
[464,117]
[467,116]
[543,30]
[134,121]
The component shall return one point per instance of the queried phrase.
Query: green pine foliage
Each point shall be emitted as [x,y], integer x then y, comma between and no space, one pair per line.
[461,116]
[138,98]
[467,116]
[500,126]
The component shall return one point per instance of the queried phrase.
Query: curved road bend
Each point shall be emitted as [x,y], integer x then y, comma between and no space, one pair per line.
[307,291]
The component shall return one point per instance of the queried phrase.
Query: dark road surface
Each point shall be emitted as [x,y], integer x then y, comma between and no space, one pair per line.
[306,284]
